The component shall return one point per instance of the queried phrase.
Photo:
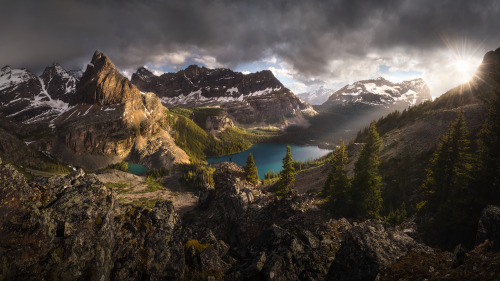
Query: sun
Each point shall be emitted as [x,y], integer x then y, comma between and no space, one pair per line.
[465,67]
[464,57]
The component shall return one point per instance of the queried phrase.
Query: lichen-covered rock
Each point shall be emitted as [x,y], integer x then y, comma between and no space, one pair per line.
[489,226]
[368,246]
[72,228]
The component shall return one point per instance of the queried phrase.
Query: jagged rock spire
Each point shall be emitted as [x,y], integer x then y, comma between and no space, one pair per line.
[103,84]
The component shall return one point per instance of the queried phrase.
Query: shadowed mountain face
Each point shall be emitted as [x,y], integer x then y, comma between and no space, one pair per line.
[248,98]
[30,99]
[382,92]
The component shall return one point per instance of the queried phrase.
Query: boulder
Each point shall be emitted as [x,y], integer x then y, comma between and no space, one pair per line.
[489,226]
[206,196]
[367,247]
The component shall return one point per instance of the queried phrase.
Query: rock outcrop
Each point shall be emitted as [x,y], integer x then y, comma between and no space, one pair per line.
[218,123]
[489,226]
[249,98]
[268,238]
[367,247]
[480,263]
[72,228]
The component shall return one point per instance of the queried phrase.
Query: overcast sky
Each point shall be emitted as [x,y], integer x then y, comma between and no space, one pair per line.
[307,44]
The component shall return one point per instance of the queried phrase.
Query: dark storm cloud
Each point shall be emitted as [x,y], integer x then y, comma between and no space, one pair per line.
[306,34]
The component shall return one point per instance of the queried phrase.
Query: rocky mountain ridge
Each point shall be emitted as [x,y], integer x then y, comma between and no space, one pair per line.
[249,98]
[381,91]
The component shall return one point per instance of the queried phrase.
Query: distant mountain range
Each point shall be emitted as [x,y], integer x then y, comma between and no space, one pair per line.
[378,91]
[318,96]
[249,98]
[381,91]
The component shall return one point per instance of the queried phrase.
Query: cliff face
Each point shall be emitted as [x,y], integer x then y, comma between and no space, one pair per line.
[248,98]
[88,120]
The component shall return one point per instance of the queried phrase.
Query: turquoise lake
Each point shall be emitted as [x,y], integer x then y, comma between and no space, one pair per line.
[268,157]
[136,169]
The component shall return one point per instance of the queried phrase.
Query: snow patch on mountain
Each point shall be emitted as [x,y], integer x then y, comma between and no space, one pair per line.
[11,77]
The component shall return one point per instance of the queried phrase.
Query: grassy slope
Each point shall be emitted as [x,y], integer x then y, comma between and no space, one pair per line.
[198,143]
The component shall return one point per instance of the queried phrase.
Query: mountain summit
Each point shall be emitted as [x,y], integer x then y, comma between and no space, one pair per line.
[103,84]
[249,98]
[381,91]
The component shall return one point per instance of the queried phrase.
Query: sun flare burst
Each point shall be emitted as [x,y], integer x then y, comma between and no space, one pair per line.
[464,59]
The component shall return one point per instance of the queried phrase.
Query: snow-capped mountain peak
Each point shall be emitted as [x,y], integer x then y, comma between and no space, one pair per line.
[381,91]
[11,77]
[28,98]
[317,96]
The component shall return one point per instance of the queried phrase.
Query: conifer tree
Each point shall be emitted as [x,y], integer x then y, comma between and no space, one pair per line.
[337,184]
[488,169]
[365,191]
[251,173]
[449,172]
[287,175]
[446,190]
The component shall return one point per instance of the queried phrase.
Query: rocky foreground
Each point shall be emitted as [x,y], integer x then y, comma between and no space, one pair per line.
[73,228]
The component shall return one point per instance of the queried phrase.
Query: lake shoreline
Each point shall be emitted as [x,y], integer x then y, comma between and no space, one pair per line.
[268,157]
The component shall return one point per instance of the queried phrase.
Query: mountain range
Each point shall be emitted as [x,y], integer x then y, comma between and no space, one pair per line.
[248,98]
